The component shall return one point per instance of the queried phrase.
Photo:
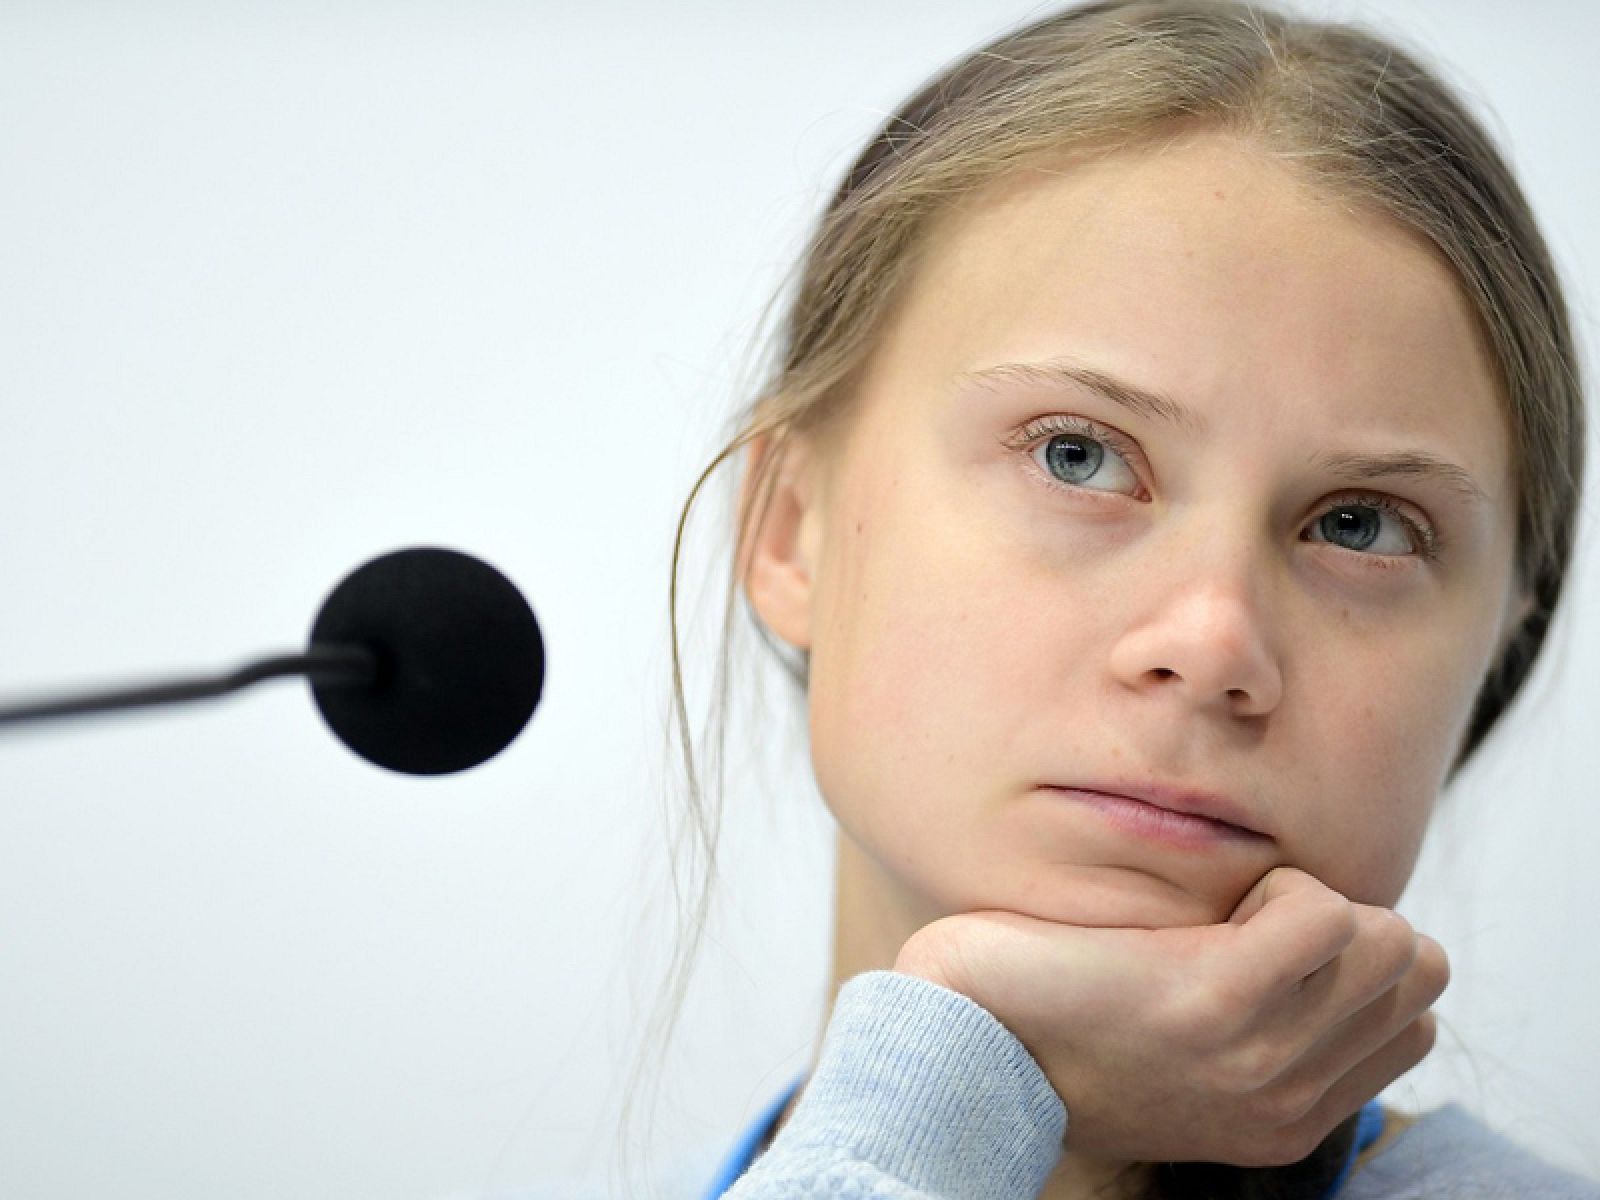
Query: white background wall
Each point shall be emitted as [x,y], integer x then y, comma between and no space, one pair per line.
[285,286]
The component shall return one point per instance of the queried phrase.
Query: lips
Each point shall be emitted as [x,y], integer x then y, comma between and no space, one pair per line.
[1211,805]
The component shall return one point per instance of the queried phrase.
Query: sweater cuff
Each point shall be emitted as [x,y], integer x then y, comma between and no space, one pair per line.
[930,1087]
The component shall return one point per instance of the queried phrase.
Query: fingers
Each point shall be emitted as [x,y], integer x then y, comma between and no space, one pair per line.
[1382,952]
[1371,1076]
[1355,1061]
[1287,1124]
[1274,883]
[1289,925]
[1357,1018]
[1377,1023]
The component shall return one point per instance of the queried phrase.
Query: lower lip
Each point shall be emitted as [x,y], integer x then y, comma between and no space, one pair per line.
[1159,824]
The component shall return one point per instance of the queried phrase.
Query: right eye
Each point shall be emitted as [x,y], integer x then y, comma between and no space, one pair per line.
[1072,452]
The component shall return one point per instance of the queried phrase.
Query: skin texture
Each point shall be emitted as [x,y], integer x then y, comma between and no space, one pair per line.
[1184,614]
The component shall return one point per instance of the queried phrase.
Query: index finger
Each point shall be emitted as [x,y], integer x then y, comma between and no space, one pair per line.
[1289,925]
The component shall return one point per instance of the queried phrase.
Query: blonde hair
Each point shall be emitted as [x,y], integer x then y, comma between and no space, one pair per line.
[1361,119]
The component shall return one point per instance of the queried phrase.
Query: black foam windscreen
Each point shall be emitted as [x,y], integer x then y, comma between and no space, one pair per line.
[460,662]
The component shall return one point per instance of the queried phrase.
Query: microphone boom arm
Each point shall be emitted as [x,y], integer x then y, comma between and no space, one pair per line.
[325,665]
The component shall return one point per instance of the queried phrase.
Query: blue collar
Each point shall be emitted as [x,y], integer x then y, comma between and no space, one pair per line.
[1369,1126]
[744,1150]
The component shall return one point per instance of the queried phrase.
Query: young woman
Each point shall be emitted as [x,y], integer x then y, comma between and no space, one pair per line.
[1167,480]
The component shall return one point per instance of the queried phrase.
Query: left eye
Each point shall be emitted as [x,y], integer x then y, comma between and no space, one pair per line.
[1362,519]
[1073,452]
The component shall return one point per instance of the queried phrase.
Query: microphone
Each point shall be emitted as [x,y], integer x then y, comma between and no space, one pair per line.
[424,661]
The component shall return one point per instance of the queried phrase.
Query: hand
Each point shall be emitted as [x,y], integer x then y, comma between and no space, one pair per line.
[1242,1043]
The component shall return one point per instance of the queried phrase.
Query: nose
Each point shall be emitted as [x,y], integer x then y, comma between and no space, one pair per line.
[1198,627]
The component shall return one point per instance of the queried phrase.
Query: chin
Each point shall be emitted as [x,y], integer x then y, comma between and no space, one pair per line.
[1118,898]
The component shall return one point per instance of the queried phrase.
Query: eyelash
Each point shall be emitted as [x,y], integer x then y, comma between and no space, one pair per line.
[1423,535]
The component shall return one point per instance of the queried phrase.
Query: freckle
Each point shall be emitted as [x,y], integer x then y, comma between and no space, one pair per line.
[858,526]
[1221,195]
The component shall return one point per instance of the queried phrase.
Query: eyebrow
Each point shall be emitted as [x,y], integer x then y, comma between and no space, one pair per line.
[1412,464]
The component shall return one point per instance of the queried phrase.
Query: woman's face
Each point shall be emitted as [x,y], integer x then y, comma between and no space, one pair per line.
[997,604]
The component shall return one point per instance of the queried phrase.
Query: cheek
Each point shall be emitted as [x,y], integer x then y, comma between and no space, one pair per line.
[917,675]
[1378,871]
[1381,756]
[885,669]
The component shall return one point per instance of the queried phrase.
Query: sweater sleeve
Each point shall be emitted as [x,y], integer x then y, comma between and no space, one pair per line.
[919,1092]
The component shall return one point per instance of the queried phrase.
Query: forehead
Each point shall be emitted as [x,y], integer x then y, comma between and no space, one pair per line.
[1205,269]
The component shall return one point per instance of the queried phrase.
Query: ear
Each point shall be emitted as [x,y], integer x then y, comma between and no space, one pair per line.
[779,555]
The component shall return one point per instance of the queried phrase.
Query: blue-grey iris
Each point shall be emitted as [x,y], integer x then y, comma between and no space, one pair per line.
[1351,518]
[1074,454]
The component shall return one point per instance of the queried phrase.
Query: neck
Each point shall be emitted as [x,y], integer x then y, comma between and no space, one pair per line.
[873,918]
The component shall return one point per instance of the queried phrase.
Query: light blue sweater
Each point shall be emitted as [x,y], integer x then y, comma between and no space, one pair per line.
[921,1094]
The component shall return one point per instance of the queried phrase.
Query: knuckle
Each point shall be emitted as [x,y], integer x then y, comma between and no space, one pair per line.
[1277,1146]
[1408,1048]
[1297,1101]
[1397,920]
[1206,1012]
[1247,1072]
[1337,914]
[1300,1141]
[1282,1108]
[1434,963]
[1256,1151]
[1393,938]
[1423,1034]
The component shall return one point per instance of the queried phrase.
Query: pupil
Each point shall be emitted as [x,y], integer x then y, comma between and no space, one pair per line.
[1073,458]
[1356,519]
